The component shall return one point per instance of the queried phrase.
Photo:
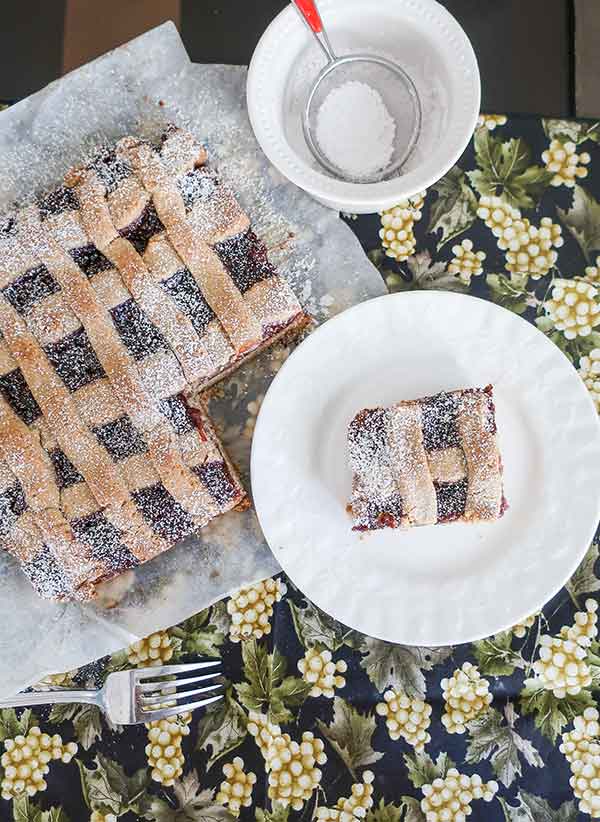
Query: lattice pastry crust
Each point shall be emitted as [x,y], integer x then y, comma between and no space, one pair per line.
[137,282]
[426,461]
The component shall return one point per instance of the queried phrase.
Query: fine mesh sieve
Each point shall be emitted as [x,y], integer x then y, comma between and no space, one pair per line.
[388,79]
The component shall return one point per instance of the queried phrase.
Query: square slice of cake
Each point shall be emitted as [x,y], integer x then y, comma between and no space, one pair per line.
[426,461]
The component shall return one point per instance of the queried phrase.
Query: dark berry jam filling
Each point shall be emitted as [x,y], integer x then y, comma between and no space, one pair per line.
[451,500]
[245,257]
[381,514]
[140,231]
[30,288]
[90,260]
[218,481]
[62,199]
[439,422]
[367,431]
[110,170]
[196,186]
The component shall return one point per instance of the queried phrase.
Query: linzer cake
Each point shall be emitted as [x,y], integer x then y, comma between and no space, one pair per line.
[136,283]
[426,461]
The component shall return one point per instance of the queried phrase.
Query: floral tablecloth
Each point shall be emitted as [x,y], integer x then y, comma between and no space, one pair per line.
[320,721]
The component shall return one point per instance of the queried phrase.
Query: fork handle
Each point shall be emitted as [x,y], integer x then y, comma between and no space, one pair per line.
[51,697]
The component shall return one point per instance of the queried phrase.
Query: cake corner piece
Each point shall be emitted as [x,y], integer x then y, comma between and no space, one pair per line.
[426,461]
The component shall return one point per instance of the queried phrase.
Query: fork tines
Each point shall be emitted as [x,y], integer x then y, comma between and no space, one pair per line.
[157,697]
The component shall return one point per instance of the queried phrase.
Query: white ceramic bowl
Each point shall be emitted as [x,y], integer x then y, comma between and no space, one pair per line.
[421,36]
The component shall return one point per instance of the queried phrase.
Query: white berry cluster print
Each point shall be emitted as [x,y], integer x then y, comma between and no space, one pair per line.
[164,749]
[562,666]
[251,610]
[467,695]
[450,798]
[573,308]
[236,789]
[293,768]
[151,651]
[405,717]
[26,761]
[566,165]
[322,673]
[581,747]
[397,224]
[353,807]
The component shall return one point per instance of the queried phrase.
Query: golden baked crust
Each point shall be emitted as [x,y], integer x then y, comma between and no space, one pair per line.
[135,283]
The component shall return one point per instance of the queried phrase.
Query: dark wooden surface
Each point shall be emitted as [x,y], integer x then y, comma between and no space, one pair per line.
[31,43]
[538,56]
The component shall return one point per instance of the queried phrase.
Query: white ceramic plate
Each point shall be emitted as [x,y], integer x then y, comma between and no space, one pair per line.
[420,35]
[437,585]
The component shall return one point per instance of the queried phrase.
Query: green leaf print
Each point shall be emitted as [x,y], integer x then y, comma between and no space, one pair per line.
[571,131]
[117,662]
[193,804]
[497,741]
[350,734]
[510,292]
[583,220]
[455,208]
[427,274]
[222,729]
[412,808]
[550,713]
[87,725]
[291,693]
[254,693]
[314,627]
[220,618]
[424,275]
[62,713]
[200,635]
[265,688]
[11,725]
[495,657]
[278,813]
[384,813]
[107,786]
[399,666]
[584,580]
[505,170]
[422,770]
[54,815]
[25,810]
[86,722]
[535,809]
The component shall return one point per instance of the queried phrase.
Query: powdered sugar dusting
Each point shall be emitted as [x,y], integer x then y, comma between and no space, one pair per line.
[355,131]
[64,126]
[426,461]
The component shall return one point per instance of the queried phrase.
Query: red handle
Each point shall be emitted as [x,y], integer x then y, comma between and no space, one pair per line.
[309,11]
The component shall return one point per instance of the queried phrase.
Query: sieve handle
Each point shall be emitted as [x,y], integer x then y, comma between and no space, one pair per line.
[310,13]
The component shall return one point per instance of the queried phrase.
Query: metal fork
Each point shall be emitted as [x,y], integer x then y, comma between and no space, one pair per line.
[130,697]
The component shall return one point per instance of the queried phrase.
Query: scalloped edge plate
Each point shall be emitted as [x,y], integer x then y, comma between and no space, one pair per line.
[444,584]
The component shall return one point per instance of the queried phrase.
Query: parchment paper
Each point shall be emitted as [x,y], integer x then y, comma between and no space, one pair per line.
[136,89]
